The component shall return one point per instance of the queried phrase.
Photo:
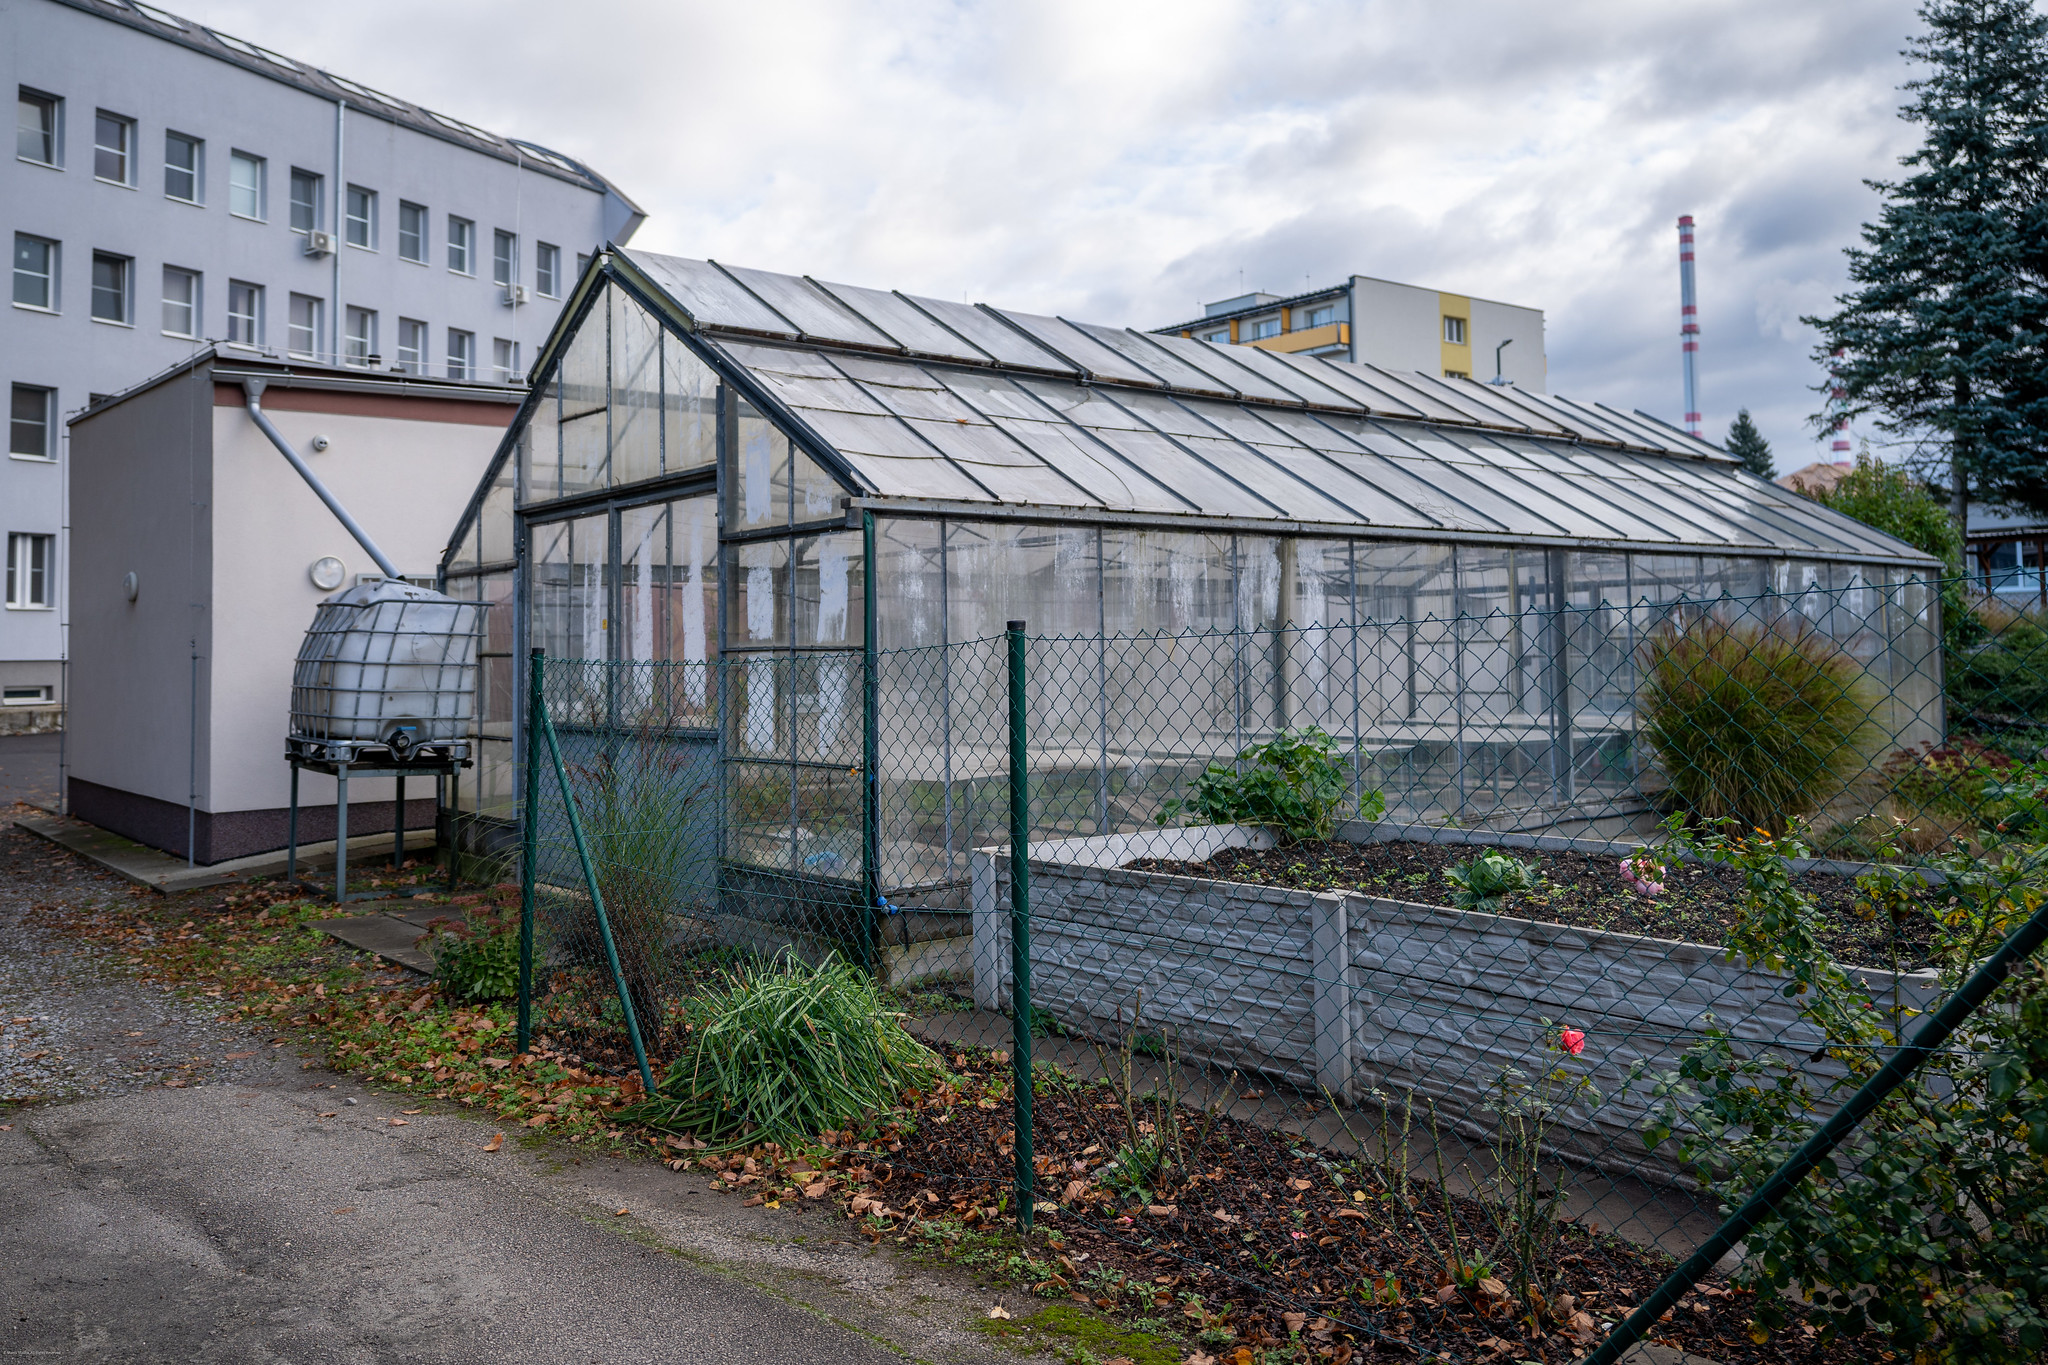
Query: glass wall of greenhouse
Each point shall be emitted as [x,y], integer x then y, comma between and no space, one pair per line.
[1207,549]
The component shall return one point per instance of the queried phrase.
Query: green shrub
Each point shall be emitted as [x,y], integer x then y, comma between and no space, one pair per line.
[786,1051]
[478,960]
[1293,784]
[2001,676]
[1484,883]
[1763,725]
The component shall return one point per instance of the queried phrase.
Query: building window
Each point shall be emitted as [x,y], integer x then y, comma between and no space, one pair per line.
[582,264]
[361,224]
[183,175]
[1456,374]
[28,426]
[461,354]
[1259,330]
[461,246]
[181,302]
[302,330]
[547,269]
[1220,337]
[113,148]
[1454,331]
[29,565]
[412,345]
[306,188]
[1322,317]
[112,284]
[504,361]
[504,257]
[360,347]
[35,272]
[25,694]
[35,127]
[412,232]
[245,313]
[245,186]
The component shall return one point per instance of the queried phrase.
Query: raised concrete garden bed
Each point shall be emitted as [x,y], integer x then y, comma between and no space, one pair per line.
[1351,993]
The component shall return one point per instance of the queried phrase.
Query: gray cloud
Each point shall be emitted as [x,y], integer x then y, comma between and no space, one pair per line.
[1122,162]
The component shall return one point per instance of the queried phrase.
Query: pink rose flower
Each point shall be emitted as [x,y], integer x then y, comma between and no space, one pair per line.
[1573,1040]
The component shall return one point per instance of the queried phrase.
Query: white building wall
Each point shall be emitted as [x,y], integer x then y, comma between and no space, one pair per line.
[93,62]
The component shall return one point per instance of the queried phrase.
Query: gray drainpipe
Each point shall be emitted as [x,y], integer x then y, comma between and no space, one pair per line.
[254,389]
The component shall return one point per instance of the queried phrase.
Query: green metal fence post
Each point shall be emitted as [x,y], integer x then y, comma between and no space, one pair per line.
[1020,927]
[870,755]
[604,924]
[2023,943]
[529,853]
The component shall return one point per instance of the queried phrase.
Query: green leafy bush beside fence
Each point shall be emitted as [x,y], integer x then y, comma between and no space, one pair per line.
[1759,724]
[1294,784]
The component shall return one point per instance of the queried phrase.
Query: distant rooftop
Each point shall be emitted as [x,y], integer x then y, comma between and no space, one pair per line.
[361,98]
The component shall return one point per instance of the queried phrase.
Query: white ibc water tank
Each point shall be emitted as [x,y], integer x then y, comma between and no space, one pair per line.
[386,666]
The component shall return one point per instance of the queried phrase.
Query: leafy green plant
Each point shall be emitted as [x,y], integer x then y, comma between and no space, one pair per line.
[1762,724]
[1484,883]
[785,1051]
[1294,784]
[477,960]
[1930,1223]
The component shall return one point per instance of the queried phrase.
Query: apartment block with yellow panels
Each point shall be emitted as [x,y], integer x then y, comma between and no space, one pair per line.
[1382,322]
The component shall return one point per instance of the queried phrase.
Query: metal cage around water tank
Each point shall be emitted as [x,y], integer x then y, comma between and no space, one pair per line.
[386,667]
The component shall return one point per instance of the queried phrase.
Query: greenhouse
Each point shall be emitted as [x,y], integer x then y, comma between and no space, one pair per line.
[782,525]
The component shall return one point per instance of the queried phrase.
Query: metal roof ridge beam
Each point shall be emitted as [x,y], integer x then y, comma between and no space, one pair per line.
[1379,532]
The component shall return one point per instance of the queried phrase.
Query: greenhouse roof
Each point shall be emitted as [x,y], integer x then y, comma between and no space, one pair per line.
[943,405]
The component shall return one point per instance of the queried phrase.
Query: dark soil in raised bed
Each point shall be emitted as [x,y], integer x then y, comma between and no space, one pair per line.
[1268,1227]
[1580,889]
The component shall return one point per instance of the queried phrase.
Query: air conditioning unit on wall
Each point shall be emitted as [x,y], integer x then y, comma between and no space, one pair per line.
[515,294]
[319,243]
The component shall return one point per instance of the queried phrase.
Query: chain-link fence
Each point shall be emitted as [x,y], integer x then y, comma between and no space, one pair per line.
[1355,988]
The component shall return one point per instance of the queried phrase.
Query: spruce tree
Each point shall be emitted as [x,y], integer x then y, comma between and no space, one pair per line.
[1748,445]
[1944,335]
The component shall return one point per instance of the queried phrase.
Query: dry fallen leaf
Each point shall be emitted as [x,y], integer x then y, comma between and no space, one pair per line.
[817,1188]
[1294,1321]
[618,1213]
[495,1063]
[754,1202]
[1297,1184]
[999,1312]
[1199,1358]
[1447,1294]
[412,1111]
[1162,1210]
[349,1209]
[241,1056]
[497,1141]
[398,1123]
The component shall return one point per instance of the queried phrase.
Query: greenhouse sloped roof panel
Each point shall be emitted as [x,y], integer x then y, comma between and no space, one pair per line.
[992,336]
[1139,348]
[1297,497]
[906,323]
[711,297]
[816,314]
[1296,380]
[1215,362]
[1084,352]
[1535,494]
[1350,380]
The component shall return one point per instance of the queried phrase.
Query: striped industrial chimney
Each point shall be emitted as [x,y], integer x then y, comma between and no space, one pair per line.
[1688,326]
[1838,398]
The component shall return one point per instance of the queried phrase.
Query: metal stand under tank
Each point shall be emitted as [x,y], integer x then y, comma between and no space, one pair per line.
[365,763]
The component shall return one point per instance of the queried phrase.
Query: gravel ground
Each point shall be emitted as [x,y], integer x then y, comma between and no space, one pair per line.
[71,1029]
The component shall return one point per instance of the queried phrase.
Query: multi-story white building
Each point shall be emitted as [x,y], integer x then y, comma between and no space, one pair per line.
[172,186]
[1394,326]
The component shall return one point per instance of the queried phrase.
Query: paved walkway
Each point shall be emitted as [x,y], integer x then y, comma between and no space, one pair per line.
[196,1192]
[28,770]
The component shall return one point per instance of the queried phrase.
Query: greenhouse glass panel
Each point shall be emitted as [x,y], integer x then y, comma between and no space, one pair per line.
[586,430]
[814,494]
[570,564]
[828,590]
[1350,381]
[540,446]
[757,485]
[910,583]
[905,324]
[494,522]
[635,392]
[668,599]
[757,595]
[689,398]
[1318,679]
[1297,497]
[816,315]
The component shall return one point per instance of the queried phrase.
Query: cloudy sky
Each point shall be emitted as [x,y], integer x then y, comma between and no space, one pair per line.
[1122,162]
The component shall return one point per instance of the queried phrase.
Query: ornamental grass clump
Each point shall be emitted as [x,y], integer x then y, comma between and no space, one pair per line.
[784,1051]
[1760,724]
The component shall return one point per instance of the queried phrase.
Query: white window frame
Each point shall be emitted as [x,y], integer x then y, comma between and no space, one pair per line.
[359,347]
[254,316]
[49,397]
[505,266]
[42,695]
[462,243]
[317,316]
[547,265]
[302,176]
[196,281]
[258,192]
[368,220]
[1327,313]
[1220,338]
[126,151]
[53,272]
[504,360]
[421,237]
[412,358]
[198,168]
[54,134]
[462,365]
[127,263]
[22,571]
[1455,330]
